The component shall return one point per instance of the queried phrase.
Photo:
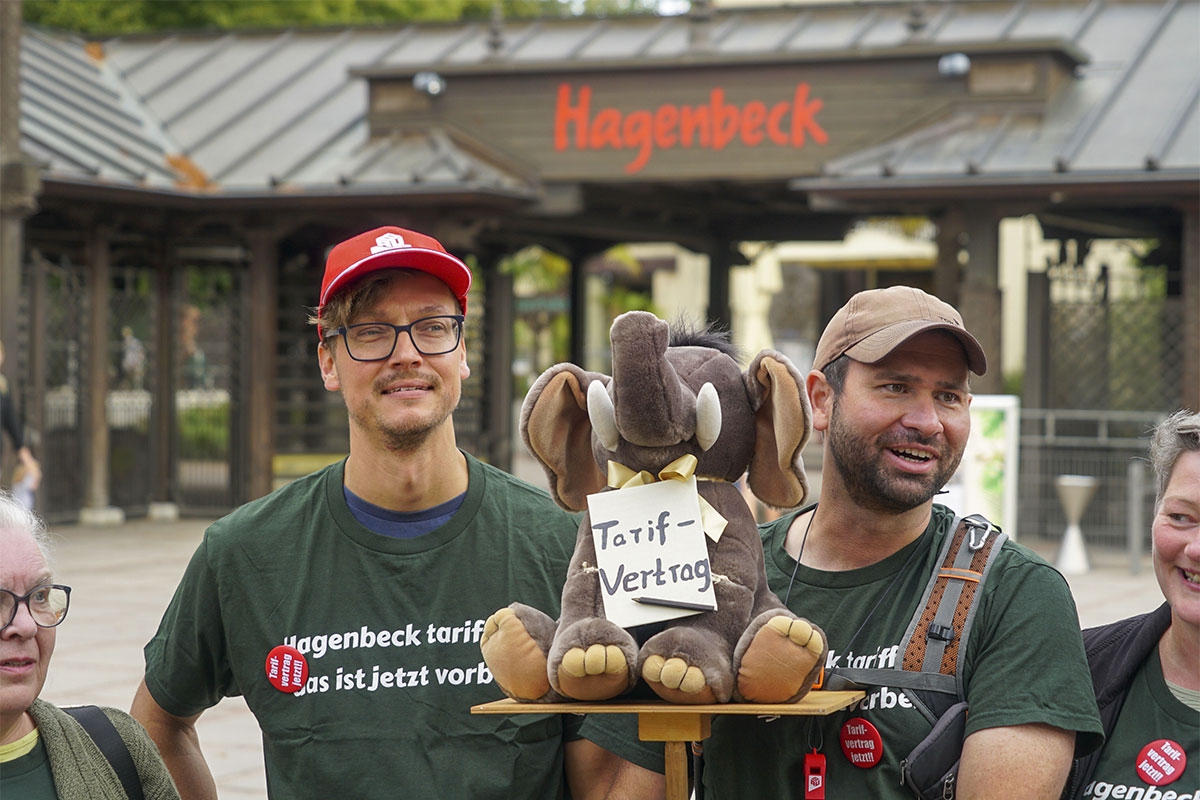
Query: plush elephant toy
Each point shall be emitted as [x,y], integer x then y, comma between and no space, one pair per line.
[672,394]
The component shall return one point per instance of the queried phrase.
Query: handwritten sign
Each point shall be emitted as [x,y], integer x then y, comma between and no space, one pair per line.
[651,553]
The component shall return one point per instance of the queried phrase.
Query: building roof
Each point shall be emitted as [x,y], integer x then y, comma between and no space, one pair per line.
[285,112]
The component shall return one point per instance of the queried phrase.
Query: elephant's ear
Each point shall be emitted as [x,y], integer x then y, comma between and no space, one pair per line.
[556,429]
[782,425]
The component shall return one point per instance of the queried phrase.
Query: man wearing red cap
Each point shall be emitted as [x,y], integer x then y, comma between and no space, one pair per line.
[347,606]
[890,392]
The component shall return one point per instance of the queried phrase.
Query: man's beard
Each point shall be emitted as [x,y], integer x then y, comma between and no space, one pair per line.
[873,486]
[406,436]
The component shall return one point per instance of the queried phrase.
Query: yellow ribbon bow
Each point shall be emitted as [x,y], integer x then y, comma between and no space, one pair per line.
[681,469]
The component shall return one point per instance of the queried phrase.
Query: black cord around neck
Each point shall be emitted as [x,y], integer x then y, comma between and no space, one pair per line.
[882,597]
[803,541]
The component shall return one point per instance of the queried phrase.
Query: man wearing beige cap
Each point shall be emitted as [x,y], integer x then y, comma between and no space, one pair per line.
[890,392]
[347,607]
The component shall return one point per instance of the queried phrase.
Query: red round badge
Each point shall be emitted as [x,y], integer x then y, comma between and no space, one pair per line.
[286,669]
[1161,762]
[861,743]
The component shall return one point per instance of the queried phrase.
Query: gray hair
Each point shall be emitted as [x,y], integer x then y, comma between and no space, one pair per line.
[1171,438]
[14,516]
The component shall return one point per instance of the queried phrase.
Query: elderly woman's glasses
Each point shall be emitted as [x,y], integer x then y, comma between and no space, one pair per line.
[47,605]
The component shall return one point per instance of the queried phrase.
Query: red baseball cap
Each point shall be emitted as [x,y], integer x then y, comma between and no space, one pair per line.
[392,248]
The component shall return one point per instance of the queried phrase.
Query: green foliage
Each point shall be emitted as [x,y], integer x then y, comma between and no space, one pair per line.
[136,16]
[204,432]
[621,299]
[537,271]
[1014,382]
[208,286]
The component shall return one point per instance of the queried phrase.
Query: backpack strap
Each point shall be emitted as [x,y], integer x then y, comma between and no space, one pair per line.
[937,638]
[105,735]
[931,664]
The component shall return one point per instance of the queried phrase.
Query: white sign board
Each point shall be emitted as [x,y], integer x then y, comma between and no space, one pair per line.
[986,480]
[651,553]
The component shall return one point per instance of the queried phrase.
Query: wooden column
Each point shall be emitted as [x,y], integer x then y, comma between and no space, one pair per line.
[162,435]
[578,307]
[96,510]
[979,295]
[496,367]
[12,210]
[1190,268]
[260,354]
[20,184]
[947,274]
[1035,392]
[720,260]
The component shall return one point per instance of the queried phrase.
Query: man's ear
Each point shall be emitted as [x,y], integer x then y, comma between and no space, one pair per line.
[464,369]
[329,374]
[820,397]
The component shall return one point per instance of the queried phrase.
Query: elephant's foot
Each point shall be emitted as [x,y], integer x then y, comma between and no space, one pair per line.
[597,672]
[782,661]
[515,658]
[676,681]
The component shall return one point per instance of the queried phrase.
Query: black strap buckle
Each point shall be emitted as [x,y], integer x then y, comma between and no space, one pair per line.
[943,633]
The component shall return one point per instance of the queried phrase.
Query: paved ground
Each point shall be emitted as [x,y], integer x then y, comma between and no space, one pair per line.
[123,577]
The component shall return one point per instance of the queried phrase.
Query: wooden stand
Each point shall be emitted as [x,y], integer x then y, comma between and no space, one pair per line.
[676,725]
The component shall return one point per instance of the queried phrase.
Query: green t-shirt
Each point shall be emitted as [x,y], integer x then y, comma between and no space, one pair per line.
[29,776]
[1025,664]
[389,632]
[1154,750]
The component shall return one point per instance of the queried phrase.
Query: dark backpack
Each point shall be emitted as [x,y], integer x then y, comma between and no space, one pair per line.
[930,672]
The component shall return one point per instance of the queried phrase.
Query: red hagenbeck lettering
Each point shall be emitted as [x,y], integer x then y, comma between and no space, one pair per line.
[712,125]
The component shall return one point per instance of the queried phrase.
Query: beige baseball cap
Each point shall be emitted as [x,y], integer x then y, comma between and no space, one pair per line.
[875,322]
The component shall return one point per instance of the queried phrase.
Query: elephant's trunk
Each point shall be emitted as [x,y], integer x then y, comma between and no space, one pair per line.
[653,406]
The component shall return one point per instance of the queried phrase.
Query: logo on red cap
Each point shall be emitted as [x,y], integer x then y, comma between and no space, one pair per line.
[389,241]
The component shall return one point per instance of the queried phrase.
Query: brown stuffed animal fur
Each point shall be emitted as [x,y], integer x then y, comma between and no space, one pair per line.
[660,405]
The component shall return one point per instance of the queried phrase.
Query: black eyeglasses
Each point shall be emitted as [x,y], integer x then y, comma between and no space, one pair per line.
[47,605]
[375,341]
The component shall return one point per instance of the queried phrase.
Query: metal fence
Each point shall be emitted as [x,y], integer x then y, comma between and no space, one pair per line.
[1097,444]
[1115,339]
[62,288]
[208,378]
[132,316]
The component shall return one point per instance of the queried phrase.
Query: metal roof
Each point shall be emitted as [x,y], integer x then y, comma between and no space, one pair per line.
[285,112]
[1133,113]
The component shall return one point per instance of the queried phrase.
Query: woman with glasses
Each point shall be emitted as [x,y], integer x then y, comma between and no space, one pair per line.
[44,753]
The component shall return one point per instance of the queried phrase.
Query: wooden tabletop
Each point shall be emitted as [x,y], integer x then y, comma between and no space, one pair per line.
[815,703]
